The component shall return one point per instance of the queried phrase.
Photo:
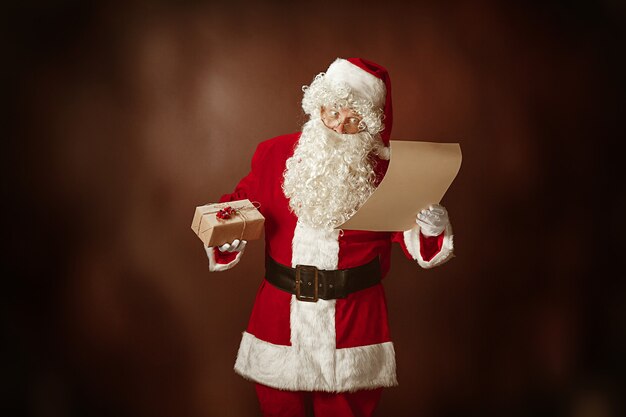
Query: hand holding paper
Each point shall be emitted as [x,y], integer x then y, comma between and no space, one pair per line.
[433,220]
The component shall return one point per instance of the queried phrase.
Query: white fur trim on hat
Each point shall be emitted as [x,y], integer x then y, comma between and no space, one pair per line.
[361,82]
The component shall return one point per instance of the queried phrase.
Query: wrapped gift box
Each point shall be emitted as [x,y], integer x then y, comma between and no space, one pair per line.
[219,223]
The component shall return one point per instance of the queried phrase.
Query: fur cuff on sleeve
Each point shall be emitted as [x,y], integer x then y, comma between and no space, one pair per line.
[221,261]
[412,241]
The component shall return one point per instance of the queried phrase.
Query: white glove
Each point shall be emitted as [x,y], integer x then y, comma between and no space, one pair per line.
[236,246]
[433,220]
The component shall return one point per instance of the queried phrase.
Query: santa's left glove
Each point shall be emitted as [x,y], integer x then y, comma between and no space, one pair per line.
[433,220]
[236,246]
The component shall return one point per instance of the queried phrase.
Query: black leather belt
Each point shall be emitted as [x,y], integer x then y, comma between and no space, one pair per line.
[310,284]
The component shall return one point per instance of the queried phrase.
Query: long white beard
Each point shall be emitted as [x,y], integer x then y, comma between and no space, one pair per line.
[330,175]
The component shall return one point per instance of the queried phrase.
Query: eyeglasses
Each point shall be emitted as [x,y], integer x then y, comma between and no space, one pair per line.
[333,118]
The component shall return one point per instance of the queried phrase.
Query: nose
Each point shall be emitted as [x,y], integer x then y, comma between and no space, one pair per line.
[339,128]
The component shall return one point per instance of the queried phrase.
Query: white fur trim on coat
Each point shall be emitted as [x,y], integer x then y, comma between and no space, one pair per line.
[361,82]
[214,266]
[317,247]
[313,362]
[412,241]
[313,324]
[289,368]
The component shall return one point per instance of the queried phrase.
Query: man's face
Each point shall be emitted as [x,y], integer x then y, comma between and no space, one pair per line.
[341,120]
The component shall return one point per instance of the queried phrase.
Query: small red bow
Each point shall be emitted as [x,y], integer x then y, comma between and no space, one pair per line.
[225,213]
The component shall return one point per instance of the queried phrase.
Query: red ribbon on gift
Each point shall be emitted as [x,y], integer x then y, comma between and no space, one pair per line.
[225,213]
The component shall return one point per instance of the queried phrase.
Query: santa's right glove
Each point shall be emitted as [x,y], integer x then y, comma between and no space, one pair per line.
[236,246]
[433,220]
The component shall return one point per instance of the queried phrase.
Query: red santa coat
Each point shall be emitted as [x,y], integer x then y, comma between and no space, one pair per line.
[331,345]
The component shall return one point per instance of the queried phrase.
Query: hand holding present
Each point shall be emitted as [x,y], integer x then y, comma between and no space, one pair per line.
[236,246]
[228,225]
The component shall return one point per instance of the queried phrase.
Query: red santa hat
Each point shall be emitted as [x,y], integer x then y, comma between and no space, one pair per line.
[367,81]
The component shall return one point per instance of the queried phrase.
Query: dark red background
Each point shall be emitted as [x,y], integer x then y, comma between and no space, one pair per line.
[124,117]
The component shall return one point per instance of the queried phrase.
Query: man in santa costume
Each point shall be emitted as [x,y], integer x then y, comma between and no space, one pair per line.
[318,336]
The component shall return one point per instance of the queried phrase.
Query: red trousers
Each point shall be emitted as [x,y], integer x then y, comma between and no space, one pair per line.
[278,403]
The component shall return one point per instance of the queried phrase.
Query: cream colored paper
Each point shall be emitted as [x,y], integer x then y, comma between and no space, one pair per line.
[419,174]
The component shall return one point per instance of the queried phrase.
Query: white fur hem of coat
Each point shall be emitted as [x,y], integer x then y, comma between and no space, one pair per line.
[214,266]
[285,367]
[412,241]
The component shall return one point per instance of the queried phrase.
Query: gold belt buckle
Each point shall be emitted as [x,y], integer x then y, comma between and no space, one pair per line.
[304,286]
